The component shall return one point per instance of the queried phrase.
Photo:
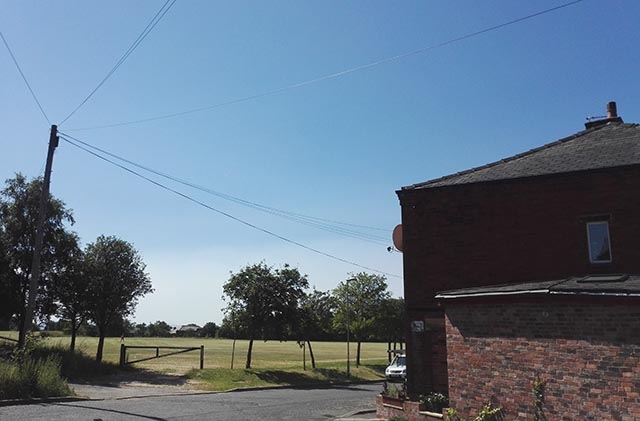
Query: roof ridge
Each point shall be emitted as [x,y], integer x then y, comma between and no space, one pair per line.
[560,141]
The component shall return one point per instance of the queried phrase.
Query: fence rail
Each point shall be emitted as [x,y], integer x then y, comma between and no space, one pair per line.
[181,349]
[8,339]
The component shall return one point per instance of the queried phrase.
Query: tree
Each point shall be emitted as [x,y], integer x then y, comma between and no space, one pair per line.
[209,330]
[9,286]
[264,301]
[360,301]
[391,321]
[19,206]
[116,280]
[70,289]
[159,329]
[316,314]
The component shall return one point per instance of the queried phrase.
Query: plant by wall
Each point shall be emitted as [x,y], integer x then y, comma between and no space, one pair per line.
[538,388]
[487,413]
[394,390]
[434,401]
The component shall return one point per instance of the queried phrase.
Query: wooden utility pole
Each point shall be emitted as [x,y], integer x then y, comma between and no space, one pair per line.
[37,250]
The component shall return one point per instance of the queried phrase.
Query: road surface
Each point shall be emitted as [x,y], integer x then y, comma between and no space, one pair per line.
[274,404]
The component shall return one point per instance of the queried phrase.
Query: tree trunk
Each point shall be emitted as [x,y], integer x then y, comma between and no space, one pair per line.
[358,355]
[22,327]
[248,365]
[75,325]
[233,352]
[101,334]
[22,335]
[74,331]
[313,359]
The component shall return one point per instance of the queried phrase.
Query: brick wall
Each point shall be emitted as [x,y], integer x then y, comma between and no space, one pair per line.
[510,231]
[588,351]
[428,372]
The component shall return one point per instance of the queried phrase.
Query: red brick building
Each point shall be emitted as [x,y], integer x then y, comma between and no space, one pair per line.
[563,211]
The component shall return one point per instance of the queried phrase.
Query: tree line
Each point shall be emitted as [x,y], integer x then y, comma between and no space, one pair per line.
[92,290]
[100,283]
[267,303]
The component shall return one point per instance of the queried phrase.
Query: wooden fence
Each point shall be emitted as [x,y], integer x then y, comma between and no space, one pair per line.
[180,349]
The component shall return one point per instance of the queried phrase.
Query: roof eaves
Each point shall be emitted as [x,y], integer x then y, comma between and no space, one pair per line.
[597,294]
[509,159]
[492,294]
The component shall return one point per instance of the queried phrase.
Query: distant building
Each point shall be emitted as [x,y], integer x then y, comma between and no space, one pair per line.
[190,329]
[557,228]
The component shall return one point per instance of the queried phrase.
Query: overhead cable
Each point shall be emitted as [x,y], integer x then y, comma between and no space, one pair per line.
[33,94]
[320,223]
[333,75]
[191,199]
[152,24]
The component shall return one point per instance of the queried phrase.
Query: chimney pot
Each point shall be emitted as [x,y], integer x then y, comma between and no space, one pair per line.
[612,110]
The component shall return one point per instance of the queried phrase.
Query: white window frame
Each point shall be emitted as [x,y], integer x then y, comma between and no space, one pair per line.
[592,258]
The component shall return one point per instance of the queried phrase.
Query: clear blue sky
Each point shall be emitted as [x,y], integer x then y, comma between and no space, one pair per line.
[336,149]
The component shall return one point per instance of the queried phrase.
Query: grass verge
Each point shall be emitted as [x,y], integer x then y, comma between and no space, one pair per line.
[32,378]
[40,370]
[220,379]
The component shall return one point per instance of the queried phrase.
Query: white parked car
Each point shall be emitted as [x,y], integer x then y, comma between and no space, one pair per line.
[397,370]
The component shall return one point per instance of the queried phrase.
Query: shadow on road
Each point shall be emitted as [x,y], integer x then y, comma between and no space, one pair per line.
[138,375]
[148,417]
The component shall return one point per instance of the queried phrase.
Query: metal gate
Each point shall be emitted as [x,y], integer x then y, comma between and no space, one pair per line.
[180,350]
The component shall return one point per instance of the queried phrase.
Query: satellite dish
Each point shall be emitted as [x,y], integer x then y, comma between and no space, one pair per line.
[397,237]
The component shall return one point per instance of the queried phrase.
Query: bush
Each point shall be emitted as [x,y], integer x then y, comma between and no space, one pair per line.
[74,364]
[38,371]
[434,402]
[32,378]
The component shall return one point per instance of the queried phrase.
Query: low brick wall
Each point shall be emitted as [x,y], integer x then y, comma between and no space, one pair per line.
[588,352]
[407,409]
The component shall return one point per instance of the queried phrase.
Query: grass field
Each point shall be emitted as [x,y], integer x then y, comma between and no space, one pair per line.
[271,355]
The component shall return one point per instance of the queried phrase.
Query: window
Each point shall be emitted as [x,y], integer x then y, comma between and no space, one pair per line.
[599,244]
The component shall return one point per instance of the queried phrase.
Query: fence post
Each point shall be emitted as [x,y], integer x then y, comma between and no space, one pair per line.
[123,352]
[201,357]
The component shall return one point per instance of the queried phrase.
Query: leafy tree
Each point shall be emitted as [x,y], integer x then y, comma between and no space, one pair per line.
[8,286]
[264,301]
[115,281]
[392,321]
[19,207]
[159,329]
[232,327]
[140,330]
[316,314]
[209,330]
[70,290]
[360,301]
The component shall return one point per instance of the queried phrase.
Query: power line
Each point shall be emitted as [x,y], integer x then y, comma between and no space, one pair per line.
[320,223]
[336,74]
[152,24]
[191,199]
[35,98]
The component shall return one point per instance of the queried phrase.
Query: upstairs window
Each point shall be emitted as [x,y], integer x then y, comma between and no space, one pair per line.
[599,243]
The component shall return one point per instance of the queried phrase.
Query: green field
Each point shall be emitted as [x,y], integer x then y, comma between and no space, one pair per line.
[274,355]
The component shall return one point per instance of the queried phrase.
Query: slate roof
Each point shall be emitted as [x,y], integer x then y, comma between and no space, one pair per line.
[610,145]
[616,285]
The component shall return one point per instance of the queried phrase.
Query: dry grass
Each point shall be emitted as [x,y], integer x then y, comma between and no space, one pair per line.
[266,355]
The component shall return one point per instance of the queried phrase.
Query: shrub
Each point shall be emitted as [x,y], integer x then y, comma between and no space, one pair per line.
[394,390]
[74,364]
[32,378]
[434,402]
[487,413]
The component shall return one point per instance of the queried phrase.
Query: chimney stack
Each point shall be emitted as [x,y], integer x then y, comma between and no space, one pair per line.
[612,110]
[612,117]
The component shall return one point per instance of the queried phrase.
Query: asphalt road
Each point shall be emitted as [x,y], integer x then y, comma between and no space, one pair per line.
[273,404]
